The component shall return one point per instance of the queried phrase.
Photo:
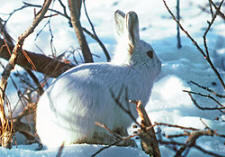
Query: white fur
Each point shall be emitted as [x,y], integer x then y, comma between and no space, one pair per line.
[68,110]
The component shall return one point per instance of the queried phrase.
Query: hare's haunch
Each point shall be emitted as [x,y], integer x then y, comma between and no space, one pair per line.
[68,110]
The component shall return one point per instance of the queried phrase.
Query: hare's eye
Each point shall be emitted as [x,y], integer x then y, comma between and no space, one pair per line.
[150,54]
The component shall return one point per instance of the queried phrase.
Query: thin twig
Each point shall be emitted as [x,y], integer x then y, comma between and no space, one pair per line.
[95,34]
[64,14]
[211,10]
[208,89]
[6,141]
[176,126]
[59,153]
[207,96]
[182,28]
[106,147]
[218,10]
[203,108]
[206,47]
[117,100]
[204,54]
[64,9]
[195,146]
[50,9]
[109,130]
[117,136]
[192,138]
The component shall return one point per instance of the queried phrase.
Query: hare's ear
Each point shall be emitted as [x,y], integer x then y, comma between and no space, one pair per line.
[132,27]
[119,17]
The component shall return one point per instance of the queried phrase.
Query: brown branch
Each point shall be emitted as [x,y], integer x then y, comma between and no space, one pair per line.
[208,89]
[176,126]
[114,134]
[182,28]
[31,61]
[106,147]
[149,142]
[192,138]
[59,153]
[207,96]
[146,132]
[211,9]
[5,34]
[46,65]
[95,36]
[204,54]
[6,130]
[207,30]
[207,152]
[75,6]
[203,108]
[195,146]
[52,10]
[206,47]
[36,81]
[178,135]
[127,111]
[64,14]
[217,9]
[109,130]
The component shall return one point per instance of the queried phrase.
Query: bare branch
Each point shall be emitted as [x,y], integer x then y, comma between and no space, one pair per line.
[195,146]
[64,9]
[117,136]
[6,130]
[146,132]
[182,28]
[207,96]
[176,126]
[59,153]
[64,14]
[95,36]
[204,54]
[203,108]
[217,9]
[208,28]
[192,138]
[208,89]
[46,65]
[149,142]
[50,9]
[106,147]
[116,99]
[211,9]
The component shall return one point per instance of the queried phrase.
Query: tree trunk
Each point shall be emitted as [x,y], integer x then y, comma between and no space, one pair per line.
[75,6]
[43,64]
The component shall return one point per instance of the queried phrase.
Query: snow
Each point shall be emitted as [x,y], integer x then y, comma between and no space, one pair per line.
[81,150]
[168,102]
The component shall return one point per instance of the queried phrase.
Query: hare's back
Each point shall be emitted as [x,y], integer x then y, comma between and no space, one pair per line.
[102,78]
[100,74]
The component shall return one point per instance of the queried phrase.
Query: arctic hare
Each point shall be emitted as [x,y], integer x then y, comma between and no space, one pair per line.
[69,108]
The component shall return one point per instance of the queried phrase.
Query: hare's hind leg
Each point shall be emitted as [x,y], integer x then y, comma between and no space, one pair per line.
[98,138]
[108,139]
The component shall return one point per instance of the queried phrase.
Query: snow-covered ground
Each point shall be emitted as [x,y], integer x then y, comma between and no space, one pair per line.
[179,66]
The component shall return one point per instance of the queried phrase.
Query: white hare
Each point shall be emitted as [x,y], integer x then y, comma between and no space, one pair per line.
[68,110]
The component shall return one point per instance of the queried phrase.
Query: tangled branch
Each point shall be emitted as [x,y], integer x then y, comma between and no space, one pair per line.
[205,53]
[6,129]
